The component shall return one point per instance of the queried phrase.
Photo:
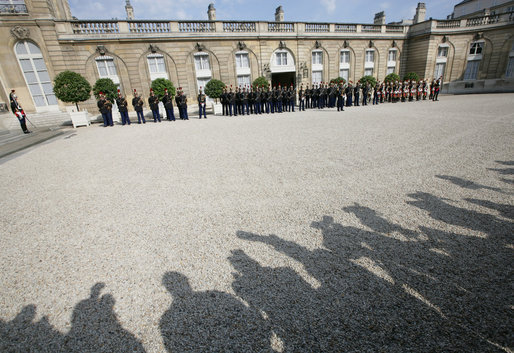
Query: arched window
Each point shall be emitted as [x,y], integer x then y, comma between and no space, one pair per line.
[243,68]
[156,66]
[474,58]
[369,62]
[36,75]
[392,58]
[107,69]
[510,64]
[317,66]
[440,61]
[344,64]
[202,69]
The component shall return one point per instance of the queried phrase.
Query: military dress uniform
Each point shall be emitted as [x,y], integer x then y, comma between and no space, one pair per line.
[122,104]
[137,103]
[167,100]
[153,102]
[201,104]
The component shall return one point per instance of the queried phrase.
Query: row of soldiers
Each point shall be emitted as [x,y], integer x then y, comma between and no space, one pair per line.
[247,100]
[105,106]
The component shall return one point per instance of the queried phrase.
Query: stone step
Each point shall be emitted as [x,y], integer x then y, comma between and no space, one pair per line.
[16,141]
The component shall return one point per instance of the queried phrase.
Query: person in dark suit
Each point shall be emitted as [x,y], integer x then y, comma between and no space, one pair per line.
[356,94]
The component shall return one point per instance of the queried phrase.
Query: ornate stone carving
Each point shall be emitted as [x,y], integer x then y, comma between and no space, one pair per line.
[345,44]
[317,45]
[153,48]
[282,45]
[200,47]
[20,32]
[371,44]
[241,45]
[101,49]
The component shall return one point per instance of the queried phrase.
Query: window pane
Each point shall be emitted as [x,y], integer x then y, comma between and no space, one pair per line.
[33,48]
[34,89]
[510,67]
[246,60]
[439,70]
[102,68]
[390,70]
[51,99]
[161,66]
[243,80]
[47,88]
[31,77]
[471,72]
[316,77]
[344,74]
[368,72]
[20,48]
[111,67]
[26,65]
[39,64]
[392,55]
[39,100]
[345,57]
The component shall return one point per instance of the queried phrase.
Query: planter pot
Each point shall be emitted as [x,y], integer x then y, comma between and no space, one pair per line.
[217,108]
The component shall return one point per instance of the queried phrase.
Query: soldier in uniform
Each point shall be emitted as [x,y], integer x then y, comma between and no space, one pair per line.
[356,94]
[106,113]
[251,99]
[340,96]
[202,101]
[257,100]
[244,102]
[437,88]
[122,104]
[349,94]
[301,99]
[167,100]
[18,111]
[315,96]
[153,102]
[224,102]
[183,104]
[365,90]
[137,103]
[308,95]
[232,102]
[292,98]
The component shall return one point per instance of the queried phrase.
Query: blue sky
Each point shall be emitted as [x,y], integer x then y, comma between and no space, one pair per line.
[345,11]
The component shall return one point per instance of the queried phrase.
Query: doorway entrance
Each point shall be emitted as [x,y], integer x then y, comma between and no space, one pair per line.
[283,78]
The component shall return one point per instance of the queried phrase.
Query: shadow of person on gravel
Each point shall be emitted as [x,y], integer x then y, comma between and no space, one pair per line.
[467,184]
[95,328]
[209,321]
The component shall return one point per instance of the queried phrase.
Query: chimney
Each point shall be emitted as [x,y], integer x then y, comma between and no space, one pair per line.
[279,14]
[421,11]
[380,18]
[211,12]
[130,11]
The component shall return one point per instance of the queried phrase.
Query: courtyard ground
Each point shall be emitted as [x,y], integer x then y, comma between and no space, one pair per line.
[379,229]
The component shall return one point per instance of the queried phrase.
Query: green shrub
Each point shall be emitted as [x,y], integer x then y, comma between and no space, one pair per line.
[105,85]
[392,78]
[368,79]
[160,84]
[260,82]
[411,76]
[338,80]
[214,89]
[71,87]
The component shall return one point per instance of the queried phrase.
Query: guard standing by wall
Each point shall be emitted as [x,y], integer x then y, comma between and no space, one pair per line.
[137,103]
[201,104]
[153,102]
[167,100]
[122,104]
[18,111]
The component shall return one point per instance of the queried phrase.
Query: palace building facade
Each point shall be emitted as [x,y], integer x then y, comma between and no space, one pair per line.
[41,38]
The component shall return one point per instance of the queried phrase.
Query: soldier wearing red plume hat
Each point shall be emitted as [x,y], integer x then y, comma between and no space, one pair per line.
[153,102]
[122,104]
[105,107]
[137,103]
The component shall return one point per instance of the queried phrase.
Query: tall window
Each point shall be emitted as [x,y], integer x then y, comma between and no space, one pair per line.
[510,65]
[369,62]
[202,62]
[13,6]
[203,70]
[474,58]
[107,69]
[440,61]
[317,58]
[344,64]
[316,77]
[36,74]
[317,66]
[281,58]
[243,69]
[156,66]
[391,61]
[242,60]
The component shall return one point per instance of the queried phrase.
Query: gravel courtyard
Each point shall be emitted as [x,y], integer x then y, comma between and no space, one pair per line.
[380,229]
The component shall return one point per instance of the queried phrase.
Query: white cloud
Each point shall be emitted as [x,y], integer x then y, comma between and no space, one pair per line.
[330,5]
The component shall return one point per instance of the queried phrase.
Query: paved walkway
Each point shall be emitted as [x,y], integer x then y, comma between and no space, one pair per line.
[382,228]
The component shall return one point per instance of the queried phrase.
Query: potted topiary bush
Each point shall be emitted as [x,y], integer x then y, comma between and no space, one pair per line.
[214,89]
[71,87]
